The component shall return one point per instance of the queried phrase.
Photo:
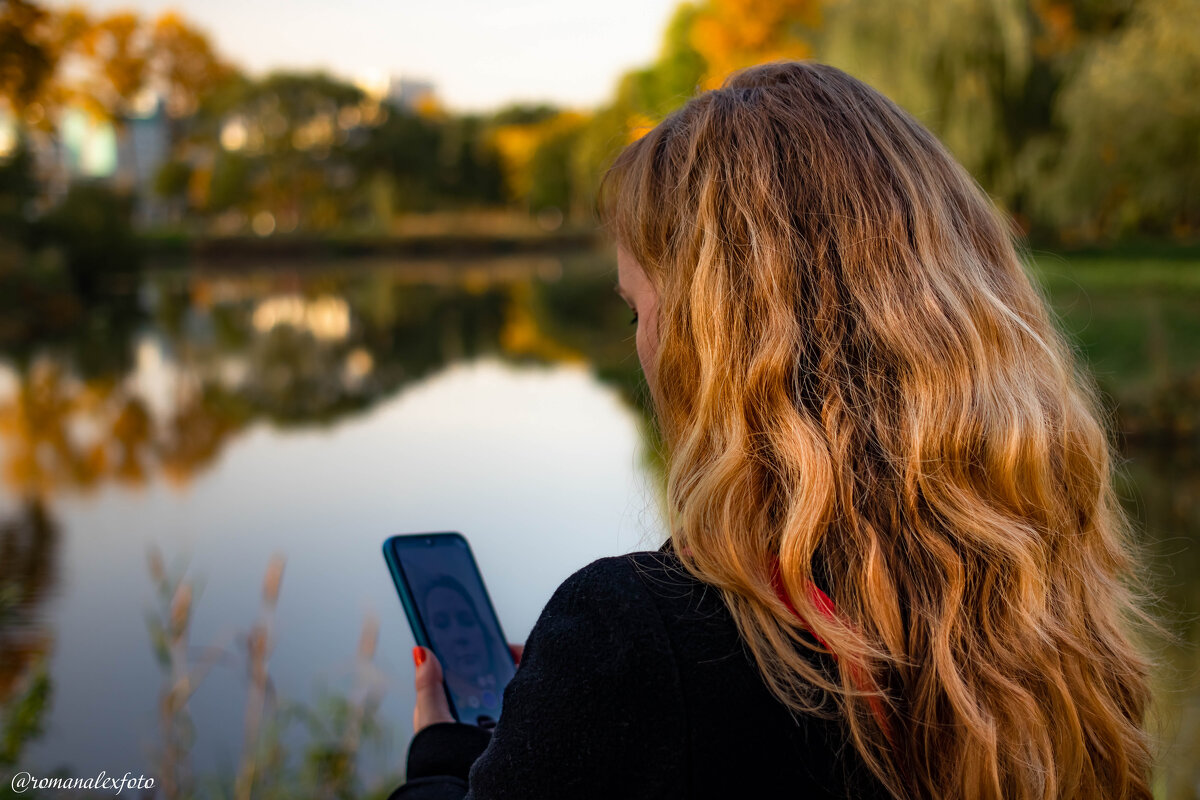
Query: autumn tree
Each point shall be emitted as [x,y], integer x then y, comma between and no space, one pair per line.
[27,58]
[1130,158]
[276,146]
[731,34]
[34,43]
[536,153]
[702,44]
[183,64]
[984,75]
[51,59]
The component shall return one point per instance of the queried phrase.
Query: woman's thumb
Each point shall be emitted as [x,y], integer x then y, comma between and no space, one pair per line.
[432,705]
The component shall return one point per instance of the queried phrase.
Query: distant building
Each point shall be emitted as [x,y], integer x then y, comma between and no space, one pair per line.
[409,94]
[82,147]
[86,147]
[143,146]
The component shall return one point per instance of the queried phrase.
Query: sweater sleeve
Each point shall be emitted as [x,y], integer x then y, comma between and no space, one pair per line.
[595,709]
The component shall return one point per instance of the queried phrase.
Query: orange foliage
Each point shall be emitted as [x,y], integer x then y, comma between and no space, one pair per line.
[518,143]
[1059,33]
[185,61]
[638,126]
[429,107]
[102,65]
[731,34]
[118,46]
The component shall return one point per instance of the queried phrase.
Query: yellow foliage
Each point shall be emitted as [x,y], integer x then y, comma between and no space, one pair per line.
[522,334]
[1059,33]
[731,34]
[118,49]
[517,144]
[638,126]
[102,65]
[187,61]
[429,107]
[199,184]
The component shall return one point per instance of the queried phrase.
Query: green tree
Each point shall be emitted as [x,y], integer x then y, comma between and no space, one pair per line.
[27,55]
[279,145]
[550,170]
[676,73]
[982,74]
[641,98]
[229,185]
[470,168]
[404,149]
[17,190]
[1130,161]
[93,229]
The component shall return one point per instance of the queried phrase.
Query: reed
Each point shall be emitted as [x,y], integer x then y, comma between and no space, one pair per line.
[337,732]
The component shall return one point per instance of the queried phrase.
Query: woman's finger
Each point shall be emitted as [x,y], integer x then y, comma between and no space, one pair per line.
[432,705]
[517,651]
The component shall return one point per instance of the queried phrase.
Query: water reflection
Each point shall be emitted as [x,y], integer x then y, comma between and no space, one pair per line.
[1165,498]
[229,416]
[29,541]
[218,352]
[312,414]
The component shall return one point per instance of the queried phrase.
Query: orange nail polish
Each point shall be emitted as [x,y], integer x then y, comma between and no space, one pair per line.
[418,655]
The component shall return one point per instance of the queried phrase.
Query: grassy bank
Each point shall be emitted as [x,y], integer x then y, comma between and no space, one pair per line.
[1135,315]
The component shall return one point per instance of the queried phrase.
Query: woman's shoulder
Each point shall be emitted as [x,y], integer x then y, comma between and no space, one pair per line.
[635,586]
[738,733]
[645,582]
[602,615]
[656,618]
[653,569]
[662,611]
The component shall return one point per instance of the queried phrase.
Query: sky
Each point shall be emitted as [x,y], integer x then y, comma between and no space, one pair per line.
[479,54]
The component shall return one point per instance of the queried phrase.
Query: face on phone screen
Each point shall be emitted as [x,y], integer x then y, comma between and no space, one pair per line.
[461,627]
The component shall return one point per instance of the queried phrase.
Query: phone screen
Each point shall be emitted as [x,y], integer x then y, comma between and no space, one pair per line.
[451,614]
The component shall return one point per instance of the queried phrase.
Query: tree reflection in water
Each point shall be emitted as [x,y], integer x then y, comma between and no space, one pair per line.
[29,542]
[86,403]
[139,387]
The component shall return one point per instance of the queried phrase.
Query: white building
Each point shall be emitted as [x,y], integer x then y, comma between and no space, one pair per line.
[410,94]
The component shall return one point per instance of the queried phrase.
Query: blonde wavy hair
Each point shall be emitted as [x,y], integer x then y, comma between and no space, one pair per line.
[857,380]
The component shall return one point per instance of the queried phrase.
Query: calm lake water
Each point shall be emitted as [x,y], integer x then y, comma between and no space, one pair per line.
[234,420]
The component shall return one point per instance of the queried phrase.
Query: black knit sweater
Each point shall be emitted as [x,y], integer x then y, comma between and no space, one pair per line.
[634,684]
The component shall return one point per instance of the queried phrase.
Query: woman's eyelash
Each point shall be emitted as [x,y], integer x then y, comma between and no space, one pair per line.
[634,320]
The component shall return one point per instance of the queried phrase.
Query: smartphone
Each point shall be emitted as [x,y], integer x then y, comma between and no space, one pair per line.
[451,614]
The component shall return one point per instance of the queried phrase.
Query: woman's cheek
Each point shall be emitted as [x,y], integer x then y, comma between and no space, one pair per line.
[647,343]
[642,350]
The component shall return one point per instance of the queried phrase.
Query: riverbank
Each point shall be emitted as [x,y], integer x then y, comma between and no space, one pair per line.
[303,248]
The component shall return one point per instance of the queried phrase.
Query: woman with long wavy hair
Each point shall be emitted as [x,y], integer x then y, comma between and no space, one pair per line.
[884,458]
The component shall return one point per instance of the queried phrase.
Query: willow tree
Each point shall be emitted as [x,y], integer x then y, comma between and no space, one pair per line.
[983,74]
[1130,160]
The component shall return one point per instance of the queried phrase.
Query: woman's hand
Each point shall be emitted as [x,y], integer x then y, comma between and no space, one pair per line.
[432,704]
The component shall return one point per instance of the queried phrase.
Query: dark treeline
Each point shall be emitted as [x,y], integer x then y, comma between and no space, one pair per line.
[1078,116]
